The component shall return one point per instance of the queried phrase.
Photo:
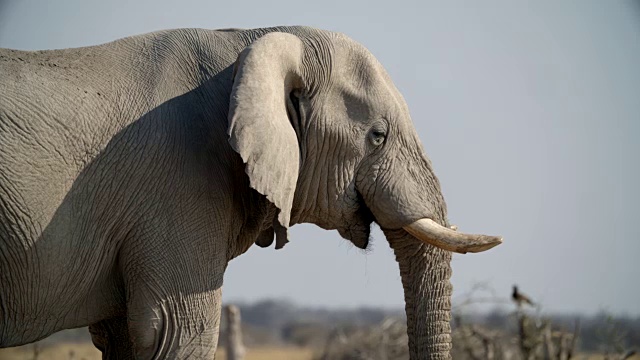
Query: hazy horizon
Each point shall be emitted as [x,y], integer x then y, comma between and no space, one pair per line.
[529,111]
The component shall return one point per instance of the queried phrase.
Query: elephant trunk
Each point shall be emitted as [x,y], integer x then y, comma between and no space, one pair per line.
[425,272]
[408,205]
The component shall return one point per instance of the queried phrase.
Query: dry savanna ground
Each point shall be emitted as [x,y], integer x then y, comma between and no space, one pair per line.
[88,352]
[74,351]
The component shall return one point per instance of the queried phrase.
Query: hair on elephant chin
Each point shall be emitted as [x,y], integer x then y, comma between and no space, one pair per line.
[358,231]
[359,236]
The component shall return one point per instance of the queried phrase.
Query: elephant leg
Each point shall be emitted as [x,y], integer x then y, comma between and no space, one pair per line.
[111,337]
[183,325]
[173,287]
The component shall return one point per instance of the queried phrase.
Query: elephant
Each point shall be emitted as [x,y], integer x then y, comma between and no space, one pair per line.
[132,172]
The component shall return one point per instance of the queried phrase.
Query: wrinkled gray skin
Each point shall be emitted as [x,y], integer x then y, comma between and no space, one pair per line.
[132,172]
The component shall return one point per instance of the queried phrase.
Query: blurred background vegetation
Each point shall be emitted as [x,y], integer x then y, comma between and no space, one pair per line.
[281,329]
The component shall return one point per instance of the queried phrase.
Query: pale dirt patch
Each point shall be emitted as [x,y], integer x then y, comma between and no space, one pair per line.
[66,351]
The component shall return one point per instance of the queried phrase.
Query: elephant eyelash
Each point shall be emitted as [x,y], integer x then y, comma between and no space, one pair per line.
[378,137]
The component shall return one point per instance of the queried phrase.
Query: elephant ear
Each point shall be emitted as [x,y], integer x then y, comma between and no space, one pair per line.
[259,128]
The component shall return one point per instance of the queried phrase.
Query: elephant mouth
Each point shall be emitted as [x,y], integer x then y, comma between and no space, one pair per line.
[357,226]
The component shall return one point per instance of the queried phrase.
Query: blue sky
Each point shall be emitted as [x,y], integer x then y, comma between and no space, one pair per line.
[530,112]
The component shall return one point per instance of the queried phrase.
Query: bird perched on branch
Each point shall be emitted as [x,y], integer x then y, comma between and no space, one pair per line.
[520,298]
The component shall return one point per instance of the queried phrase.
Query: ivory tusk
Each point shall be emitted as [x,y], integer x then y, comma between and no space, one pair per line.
[430,232]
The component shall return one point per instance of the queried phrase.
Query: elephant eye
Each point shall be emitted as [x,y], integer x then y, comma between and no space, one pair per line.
[377,137]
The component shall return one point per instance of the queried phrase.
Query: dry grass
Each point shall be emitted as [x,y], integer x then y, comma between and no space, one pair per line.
[88,352]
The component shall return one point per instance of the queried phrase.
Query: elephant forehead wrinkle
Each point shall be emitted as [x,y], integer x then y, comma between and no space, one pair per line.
[317,62]
[359,72]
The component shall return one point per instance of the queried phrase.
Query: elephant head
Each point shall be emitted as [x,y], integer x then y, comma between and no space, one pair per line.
[328,139]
